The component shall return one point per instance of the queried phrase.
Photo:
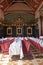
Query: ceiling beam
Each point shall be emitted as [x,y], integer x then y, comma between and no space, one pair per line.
[8,5]
[19,11]
[39,4]
[7,1]
[30,3]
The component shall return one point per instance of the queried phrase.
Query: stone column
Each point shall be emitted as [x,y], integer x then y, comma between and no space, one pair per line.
[39,26]
[38,14]
[1,20]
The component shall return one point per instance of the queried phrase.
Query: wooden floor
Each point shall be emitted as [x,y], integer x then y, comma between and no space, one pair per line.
[34,57]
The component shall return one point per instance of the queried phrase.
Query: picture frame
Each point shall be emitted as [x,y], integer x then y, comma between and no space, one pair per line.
[19,31]
[9,31]
[29,30]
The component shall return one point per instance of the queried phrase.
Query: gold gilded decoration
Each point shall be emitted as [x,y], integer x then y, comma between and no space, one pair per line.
[19,21]
[19,31]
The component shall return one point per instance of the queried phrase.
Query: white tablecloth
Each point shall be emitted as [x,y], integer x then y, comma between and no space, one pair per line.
[16,48]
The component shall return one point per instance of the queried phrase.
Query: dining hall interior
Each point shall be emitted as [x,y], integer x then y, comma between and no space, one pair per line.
[21,32]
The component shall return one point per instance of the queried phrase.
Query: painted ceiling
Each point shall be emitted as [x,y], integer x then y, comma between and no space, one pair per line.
[31,5]
[34,3]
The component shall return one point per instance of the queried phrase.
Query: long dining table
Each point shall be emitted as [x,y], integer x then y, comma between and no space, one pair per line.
[6,43]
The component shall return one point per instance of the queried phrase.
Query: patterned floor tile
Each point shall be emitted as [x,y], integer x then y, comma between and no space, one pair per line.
[38,60]
[40,63]
[22,62]
[31,64]
[4,59]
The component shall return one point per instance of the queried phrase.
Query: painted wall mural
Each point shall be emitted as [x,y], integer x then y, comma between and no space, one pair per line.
[14,17]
